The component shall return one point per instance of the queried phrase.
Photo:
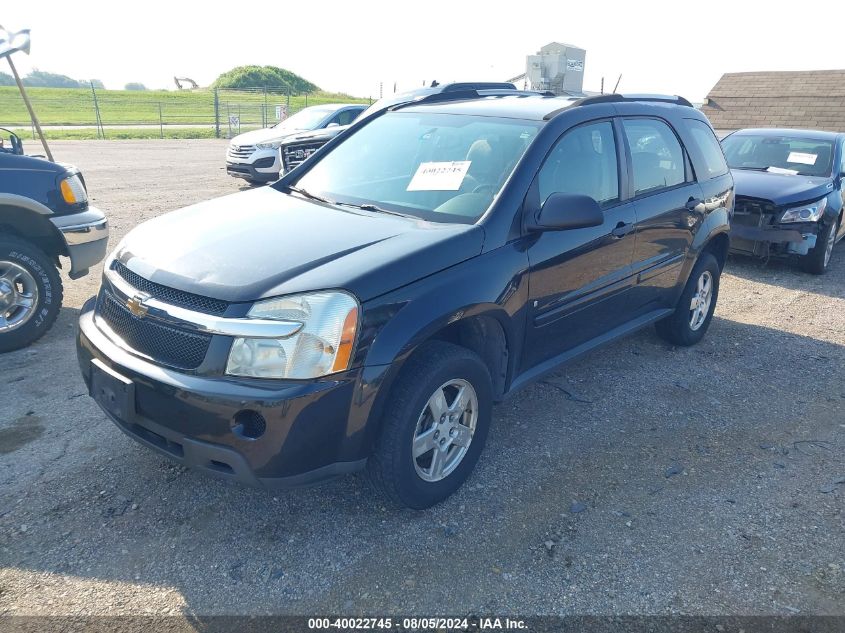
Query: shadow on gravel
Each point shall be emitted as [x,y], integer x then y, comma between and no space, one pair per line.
[788,274]
[671,465]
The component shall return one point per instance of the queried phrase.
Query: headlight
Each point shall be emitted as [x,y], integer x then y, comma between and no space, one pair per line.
[73,191]
[269,145]
[807,213]
[322,346]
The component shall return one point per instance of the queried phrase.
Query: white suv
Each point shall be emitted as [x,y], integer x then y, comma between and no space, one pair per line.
[254,155]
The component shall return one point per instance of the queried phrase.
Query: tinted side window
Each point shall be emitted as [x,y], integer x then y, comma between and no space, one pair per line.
[714,159]
[346,117]
[583,161]
[656,155]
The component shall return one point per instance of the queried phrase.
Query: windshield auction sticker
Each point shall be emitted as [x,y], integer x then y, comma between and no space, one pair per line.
[442,176]
[801,157]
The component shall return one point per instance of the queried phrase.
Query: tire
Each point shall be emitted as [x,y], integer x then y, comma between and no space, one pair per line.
[683,327]
[817,260]
[26,273]
[406,480]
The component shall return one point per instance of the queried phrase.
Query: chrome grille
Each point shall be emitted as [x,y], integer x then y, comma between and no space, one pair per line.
[240,152]
[162,343]
[295,155]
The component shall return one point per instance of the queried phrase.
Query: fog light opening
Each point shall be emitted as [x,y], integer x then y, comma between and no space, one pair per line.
[249,424]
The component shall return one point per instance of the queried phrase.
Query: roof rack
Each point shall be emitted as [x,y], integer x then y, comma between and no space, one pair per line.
[478,85]
[619,98]
[464,94]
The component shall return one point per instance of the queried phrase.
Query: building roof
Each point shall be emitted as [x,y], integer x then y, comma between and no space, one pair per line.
[552,47]
[812,99]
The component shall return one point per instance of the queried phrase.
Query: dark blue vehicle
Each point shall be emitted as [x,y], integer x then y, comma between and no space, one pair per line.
[788,193]
[44,216]
[368,309]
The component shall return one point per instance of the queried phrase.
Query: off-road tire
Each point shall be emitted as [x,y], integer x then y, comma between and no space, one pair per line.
[49,284]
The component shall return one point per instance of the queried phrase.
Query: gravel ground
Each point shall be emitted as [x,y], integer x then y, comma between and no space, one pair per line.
[643,479]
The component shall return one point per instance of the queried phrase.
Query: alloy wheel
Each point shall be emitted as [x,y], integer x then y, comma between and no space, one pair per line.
[18,296]
[701,299]
[444,430]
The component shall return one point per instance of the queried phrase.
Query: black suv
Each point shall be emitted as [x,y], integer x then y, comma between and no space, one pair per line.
[368,309]
[44,215]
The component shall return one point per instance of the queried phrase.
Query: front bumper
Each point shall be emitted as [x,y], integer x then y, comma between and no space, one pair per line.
[262,165]
[314,430]
[86,237]
[777,239]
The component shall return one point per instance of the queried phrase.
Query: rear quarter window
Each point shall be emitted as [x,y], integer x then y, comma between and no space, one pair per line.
[711,150]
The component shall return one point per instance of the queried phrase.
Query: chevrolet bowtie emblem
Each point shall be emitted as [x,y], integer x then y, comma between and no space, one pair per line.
[136,306]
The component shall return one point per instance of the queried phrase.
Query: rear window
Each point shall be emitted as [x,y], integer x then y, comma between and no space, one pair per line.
[711,151]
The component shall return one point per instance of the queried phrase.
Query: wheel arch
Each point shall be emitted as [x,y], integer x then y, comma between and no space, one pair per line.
[485,332]
[718,245]
[33,227]
[483,329]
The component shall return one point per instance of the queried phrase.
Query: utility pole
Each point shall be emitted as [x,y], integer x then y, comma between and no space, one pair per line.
[100,131]
[216,114]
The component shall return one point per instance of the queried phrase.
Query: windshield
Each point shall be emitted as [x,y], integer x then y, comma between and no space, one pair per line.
[438,167]
[780,154]
[307,119]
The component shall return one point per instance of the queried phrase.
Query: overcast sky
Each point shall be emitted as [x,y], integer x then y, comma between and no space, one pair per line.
[669,47]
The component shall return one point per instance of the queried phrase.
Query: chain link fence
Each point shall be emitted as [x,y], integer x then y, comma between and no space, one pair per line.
[222,113]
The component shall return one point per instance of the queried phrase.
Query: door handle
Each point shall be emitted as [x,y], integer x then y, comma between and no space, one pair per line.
[622,229]
[694,204]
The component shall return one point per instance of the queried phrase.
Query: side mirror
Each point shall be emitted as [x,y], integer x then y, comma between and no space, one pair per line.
[333,124]
[564,211]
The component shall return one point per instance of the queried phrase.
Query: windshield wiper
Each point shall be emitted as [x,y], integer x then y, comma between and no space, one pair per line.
[752,168]
[309,195]
[372,207]
[364,207]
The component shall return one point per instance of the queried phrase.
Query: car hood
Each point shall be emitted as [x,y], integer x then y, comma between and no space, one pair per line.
[780,189]
[264,135]
[264,243]
[18,162]
[316,135]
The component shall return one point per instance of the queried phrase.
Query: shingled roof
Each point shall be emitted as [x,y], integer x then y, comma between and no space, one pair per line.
[796,99]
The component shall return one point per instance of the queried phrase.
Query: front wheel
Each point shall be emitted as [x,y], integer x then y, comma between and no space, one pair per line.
[30,293]
[434,426]
[694,311]
[817,260]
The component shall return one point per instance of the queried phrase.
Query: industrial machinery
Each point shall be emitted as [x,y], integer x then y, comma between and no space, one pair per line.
[180,81]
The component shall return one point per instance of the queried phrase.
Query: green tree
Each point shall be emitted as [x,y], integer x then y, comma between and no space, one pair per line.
[87,83]
[6,80]
[263,76]
[134,85]
[42,79]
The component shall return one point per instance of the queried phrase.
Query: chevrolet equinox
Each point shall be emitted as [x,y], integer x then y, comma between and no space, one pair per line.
[367,310]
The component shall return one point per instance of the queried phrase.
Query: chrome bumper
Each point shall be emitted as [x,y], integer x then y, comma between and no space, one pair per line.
[86,237]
